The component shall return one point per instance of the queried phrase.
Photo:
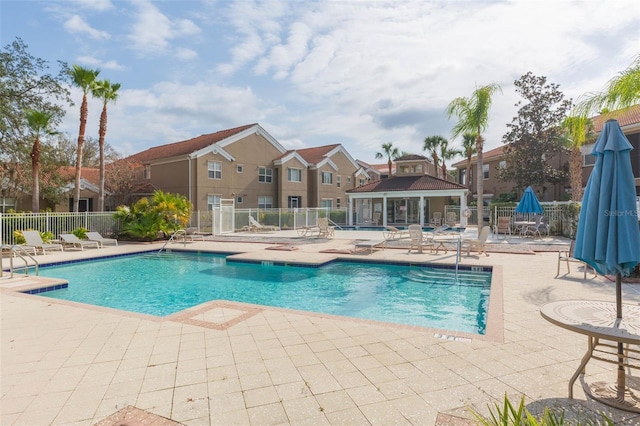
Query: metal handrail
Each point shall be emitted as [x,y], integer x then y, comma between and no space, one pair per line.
[176,233]
[17,250]
[333,223]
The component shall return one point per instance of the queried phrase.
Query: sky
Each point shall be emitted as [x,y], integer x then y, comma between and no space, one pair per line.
[356,72]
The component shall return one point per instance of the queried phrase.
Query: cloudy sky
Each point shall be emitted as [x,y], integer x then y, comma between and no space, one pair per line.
[356,72]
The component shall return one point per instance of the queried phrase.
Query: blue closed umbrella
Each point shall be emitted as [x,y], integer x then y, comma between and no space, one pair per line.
[608,236]
[529,203]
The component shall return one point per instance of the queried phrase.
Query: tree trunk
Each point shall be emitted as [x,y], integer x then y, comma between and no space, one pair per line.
[83,128]
[102,133]
[575,173]
[468,179]
[444,171]
[35,170]
[480,183]
[389,164]
[435,164]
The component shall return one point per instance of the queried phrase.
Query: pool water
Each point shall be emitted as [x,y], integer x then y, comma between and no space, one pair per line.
[168,283]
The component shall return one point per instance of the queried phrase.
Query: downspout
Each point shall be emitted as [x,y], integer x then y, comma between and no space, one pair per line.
[189,163]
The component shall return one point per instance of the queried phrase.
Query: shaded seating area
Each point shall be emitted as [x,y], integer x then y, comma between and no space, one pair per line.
[568,257]
[34,240]
[96,236]
[70,240]
[255,226]
[477,244]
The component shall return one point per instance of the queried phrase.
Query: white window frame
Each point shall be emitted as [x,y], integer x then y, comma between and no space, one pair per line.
[338,203]
[265,174]
[290,170]
[485,171]
[362,181]
[239,199]
[146,174]
[214,170]
[265,202]
[7,203]
[213,200]
[326,203]
[338,181]
[324,179]
[239,168]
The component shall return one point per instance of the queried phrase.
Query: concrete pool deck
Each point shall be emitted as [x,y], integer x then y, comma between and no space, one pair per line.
[224,363]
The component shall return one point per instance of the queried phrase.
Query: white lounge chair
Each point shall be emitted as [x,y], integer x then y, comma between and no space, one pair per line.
[393,233]
[95,236]
[255,226]
[419,240]
[324,230]
[479,243]
[34,240]
[75,242]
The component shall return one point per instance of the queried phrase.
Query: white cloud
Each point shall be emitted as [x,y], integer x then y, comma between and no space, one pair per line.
[97,63]
[186,54]
[99,5]
[77,25]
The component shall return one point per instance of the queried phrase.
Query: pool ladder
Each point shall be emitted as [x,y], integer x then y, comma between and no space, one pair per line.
[17,251]
[171,238]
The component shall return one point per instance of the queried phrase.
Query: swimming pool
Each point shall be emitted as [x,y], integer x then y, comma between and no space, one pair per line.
[168,283]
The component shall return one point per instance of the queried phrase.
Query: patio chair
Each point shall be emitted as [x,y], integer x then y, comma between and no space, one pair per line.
[71,240]
[503,226]
[567,257]
[452,219]
[477,244]
[324,230]
[34,240]
[255,226]
[537,229]
[420,240]
[96,236]
[436,219]
[393,233]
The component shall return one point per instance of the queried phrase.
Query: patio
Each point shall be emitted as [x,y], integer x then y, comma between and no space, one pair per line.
[228,363]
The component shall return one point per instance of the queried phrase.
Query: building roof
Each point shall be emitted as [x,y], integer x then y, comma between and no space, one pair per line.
[187,146]
[316,154]
[625,117]
[487,155]
[407,183]
[412,157]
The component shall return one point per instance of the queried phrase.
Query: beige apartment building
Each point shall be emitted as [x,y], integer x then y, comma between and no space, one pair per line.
[251,167]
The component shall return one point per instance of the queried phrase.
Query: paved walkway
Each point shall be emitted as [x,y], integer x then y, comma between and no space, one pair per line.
[227,363]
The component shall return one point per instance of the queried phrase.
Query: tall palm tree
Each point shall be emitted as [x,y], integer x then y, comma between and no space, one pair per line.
[621,92]
[83,78]
[468,148]
[107,92]
[39,122]
[388,151]
[473,116]
[447,153]
[578,129]
[432,145]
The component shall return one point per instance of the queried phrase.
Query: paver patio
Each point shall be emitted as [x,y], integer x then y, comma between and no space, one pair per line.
[64,363]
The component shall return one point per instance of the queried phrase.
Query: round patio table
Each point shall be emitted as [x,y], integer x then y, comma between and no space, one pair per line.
[597,320]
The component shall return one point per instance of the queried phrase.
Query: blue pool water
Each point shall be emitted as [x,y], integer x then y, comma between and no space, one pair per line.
[165,284]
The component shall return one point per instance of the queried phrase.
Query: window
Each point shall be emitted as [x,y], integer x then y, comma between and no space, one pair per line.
[327,204]
[485,171]
[337,203]
[327,178]
[295,175]
[361,181]
[338,181]
[240,168]
[212,200]
[265,175]
[7,204]
[265,202]
[239,199]
[348,179]
[502,164]
[146,174]
[215,169]
[588,160]
[463,177]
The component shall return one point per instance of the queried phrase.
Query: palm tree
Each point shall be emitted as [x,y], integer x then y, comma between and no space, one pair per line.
[578,129]
[107,92]
[39,123]
[468,148]
[473,116]
[622,92]
[389,151]
[432,145]
[447,153]
[83,78]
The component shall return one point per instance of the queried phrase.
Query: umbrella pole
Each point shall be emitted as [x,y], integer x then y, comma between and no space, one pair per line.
[621,375]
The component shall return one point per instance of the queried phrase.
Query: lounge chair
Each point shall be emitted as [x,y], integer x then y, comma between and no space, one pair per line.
[324,230]
[437,218]
[567,256]
[452,219]
[75,242]
[255,226]
[503,226]
[419,240]
[34,240]
[393,233]
[95,236]
[477,244]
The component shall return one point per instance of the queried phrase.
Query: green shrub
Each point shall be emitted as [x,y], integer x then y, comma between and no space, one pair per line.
[80,232]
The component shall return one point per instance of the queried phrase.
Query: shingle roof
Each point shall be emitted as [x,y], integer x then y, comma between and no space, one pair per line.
[487,155]
[407,183]
[187,146]
[625,117]
[316,154]
[411,157]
